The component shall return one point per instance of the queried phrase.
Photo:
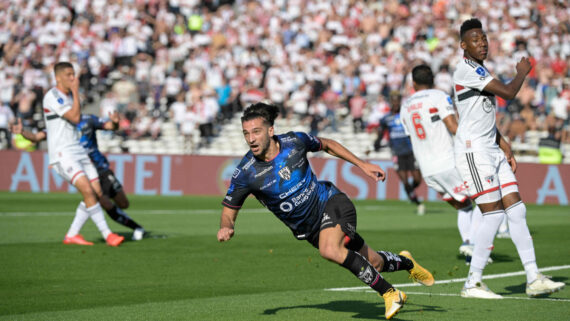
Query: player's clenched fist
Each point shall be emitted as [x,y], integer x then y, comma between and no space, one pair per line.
[524,66]
[225,234]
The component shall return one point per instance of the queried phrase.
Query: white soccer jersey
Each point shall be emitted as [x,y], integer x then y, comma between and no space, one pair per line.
[422,115]
[476,108]
[62,135]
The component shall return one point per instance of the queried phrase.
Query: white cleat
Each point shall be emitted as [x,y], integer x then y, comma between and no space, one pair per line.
[138,234]
[480,291]
[421,209]
[466,249]
[543,285]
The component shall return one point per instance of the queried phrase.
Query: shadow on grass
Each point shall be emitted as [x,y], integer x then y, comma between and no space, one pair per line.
[361,309]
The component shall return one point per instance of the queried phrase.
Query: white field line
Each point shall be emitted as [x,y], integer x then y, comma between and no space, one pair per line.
[504,297]
[71,212]
[458,280]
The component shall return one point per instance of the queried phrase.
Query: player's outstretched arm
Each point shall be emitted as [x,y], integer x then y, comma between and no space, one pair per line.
[510,90]
[336,149]
[506,147]
[227,222]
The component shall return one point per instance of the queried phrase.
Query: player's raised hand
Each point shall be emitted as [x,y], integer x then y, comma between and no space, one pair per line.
[373,171]
[16,127]
[524,66]
[225,234]
[74,86]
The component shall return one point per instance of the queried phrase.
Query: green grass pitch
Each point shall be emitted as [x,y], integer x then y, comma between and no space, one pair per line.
[181,272]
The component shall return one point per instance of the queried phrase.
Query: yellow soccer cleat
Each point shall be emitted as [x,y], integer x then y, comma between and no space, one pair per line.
[394,300]
[418,273]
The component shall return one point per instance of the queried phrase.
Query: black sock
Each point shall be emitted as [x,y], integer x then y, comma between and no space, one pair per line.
[394,262]
[360,267]
[119,216]
[411,194]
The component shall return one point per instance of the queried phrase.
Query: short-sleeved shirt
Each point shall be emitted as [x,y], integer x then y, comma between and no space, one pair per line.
[286,185]
[476,108]
[398,139]
[422,116]
[62,135]
[87,127]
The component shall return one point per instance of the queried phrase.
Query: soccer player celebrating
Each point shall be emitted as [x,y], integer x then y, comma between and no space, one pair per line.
[485,161]
[277,172]
[401,147]
[111,187]
[429,119]
[69,159]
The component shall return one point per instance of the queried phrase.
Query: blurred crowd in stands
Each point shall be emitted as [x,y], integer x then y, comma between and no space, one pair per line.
[197,63]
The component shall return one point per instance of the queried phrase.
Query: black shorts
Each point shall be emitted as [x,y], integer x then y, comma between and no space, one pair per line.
[339,210]
[406,163]
[110,185]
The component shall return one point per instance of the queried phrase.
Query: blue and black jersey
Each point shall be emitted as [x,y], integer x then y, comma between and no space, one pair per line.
[286,185]
[87,126]
[399,141]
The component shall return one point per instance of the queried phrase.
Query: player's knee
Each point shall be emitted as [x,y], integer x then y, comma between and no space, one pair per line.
[516,213]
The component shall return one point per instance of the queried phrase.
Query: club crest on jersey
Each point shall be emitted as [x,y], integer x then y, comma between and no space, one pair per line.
[480,71]
[488,105]
[60,100]
[490,179]
[285,173]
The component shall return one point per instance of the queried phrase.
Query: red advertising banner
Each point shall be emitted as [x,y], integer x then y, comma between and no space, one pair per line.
[210,175]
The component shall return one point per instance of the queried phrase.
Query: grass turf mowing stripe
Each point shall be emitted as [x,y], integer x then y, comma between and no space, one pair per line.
[457,280]
[504,297]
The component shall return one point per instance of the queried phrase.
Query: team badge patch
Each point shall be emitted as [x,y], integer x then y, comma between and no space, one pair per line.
[480,71]
[60,100]
[490,179]
[285,173]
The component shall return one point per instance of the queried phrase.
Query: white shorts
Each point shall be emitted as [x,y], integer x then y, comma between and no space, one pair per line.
[488,175]
[72,169]
[449,184]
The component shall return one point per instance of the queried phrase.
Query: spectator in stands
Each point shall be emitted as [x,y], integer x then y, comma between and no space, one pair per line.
[6,119]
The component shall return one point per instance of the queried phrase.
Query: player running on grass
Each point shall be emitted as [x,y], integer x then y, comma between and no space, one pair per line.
[429,119]
[69,159]
[404,161]
[110,186]
[485,161]
[277,172]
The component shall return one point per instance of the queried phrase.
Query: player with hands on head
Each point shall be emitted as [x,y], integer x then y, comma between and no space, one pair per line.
[111,188]
[486,163]
[277,172]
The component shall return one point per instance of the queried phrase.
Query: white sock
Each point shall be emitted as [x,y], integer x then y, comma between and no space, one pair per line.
[96,214]
[79,220]
[522,239]
[483,245]
[504,227]
[464,222]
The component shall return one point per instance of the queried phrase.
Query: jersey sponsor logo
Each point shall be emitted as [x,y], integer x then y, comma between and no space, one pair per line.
[60,100]
[449,100]
[268,184]
[304,196]
[248,164]
[286,207]
[287,139]
[236,173]
[300,163]
[229,198]
[460,189]
[292,189]
[488,105]
[480,71]
[433,110]
[285,173]
[263,172]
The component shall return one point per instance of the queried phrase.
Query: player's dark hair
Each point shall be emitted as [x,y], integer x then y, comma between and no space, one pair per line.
[422,75]
[261,110]
[467,25]
[60,66]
